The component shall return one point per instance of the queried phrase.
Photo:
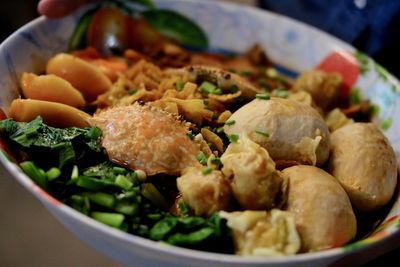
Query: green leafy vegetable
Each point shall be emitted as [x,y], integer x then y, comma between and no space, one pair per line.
[67,144]
[78,38]
[177,27]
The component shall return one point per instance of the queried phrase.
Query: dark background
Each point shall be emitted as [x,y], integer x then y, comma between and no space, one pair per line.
[29,235]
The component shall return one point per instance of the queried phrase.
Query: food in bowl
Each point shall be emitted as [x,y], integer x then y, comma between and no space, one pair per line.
[164,142]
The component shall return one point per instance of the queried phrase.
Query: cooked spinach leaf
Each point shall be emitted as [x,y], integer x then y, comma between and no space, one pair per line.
[68,144]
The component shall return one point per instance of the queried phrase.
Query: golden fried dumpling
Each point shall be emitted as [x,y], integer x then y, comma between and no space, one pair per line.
[323,213]
[288,129]
[262,233]
[256,184]
[364,163]
[323,87]
[205,193]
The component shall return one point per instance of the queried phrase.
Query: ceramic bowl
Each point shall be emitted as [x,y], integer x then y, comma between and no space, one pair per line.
[293,46]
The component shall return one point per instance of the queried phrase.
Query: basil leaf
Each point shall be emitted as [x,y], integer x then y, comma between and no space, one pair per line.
[177,27]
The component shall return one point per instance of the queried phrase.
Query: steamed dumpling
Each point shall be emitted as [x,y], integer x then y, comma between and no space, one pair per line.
[289,130]
[323,212]
[261,233]
[256,184]
[365,165]
[204,193]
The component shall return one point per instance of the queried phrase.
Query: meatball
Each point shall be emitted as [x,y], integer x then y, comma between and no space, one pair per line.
[323,212]
[256,184]
[287,129]
[204,193]
[261,233]
[364,163]
[323,87]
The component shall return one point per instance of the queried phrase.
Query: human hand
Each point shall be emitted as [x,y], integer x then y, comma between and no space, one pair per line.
[59,8]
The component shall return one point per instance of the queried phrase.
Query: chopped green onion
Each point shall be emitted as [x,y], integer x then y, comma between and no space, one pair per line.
[179,85]
[75,172]
[119,170]
[102,199]
[355,96]
[202,158]
[262,133]
[126,208]
[123,182]
[150,192]
[280,92]
[92,183]
[233,138]
[264,96]
[233,70]
[35,173]
[132,91]
[206,171]
[234,88]
[246,73]
[216,161]
[53,173]
[111,219]
[230,122]
[271,73]
[209,88]
[183,208]
[190,135]
[218,130]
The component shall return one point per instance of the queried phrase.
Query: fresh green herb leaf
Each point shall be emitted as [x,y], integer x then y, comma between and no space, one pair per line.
[78,38]
[177,27]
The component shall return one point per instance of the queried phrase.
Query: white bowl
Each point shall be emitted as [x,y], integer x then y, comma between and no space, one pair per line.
[292,45]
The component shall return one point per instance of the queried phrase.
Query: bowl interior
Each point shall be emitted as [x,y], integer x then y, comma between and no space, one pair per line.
[293,46]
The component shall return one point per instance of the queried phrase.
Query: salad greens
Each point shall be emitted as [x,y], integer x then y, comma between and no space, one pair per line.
[71,165]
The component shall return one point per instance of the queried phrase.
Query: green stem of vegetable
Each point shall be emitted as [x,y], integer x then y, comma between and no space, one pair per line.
[35,173]
[53,173]
[111,219]
[123,182]
[102,199]
[150,192]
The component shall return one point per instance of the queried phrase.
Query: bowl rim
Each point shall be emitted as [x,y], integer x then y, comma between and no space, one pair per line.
[46,199]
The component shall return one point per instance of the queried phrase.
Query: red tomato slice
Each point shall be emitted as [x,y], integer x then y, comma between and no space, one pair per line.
[346,64]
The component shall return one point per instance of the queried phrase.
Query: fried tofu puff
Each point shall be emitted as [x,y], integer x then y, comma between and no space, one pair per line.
[289,130]
[323,87]
[256,184]
[364,163]
[262,233]
[146,138]
[204,193]
[323,212]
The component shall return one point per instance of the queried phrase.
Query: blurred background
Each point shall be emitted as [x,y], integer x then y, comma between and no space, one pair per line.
[29,235]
